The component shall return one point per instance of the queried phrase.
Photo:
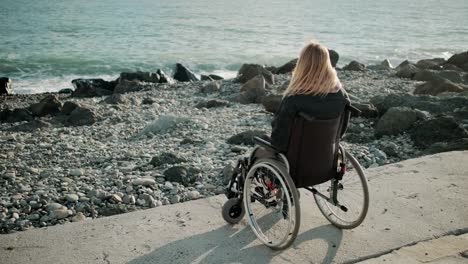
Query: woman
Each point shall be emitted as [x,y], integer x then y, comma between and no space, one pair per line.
[314,90]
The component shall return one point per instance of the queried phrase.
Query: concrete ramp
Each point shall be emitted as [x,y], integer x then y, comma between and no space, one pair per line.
[411,201]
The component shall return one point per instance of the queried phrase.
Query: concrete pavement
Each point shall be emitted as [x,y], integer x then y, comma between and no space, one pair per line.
[411,201]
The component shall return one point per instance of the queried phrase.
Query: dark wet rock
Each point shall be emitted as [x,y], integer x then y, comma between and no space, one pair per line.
[150,77]
[334,57]
[5,86]
[451,67]
[249,71]
[211,87]
[431,64]
[92,87]
[184,74]
[359,134]
[181,175]
[125,86]
[166,158]
[246,137]
[407,70]
[460,59]
[367,110]
[116,99]
[164,78]
[15,115]
[355,66]
[49,105]
[31,126]
[147,101]
[112,209]
[441,129]
[212,103]
[457,144]
[431,104]
[429,75]
[272,102]
[81,116]
[215,77]
[191,141]
[287,67]
[397,120]
[438,86]
[252,91]
[68,107]
[66,91]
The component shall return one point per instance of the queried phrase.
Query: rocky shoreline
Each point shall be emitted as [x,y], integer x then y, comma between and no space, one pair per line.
[149,139]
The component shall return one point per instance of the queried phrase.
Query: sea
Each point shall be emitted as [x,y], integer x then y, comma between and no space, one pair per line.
[44,44]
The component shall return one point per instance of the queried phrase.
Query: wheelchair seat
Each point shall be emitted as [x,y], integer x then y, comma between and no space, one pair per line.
[312,151]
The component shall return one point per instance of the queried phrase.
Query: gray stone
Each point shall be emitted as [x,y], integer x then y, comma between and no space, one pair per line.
[81,116]
[125,86]
[59,213]
[116,99]
[431,64]
[144,182]
[184,74]
[441,129]
[407,70]
[92,87]
[459,59]
[438,86]
[49,105]
[79,217]
[129,199]
[181,175]
[71,198]
[166,158]
[68,107]
[354,66]
[175,199]
[272,102]
[397,120]
[211,87]
[252,91]
[249,71]
[140,76]
[193,195]
[212,103]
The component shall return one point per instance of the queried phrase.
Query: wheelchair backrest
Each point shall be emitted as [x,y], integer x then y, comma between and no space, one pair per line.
[313,149]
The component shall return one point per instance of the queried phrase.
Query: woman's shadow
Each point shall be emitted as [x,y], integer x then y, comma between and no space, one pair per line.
[228,244]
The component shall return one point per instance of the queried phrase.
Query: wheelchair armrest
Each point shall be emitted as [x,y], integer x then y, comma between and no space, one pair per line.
[353,109]
[266,144]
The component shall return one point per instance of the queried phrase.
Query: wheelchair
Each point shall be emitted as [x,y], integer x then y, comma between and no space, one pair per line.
[266,188]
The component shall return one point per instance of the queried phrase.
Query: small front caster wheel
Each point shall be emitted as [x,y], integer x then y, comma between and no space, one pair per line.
[233,210]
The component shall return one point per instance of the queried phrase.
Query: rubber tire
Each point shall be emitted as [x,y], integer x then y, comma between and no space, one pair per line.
[287,178]
[365,208]
[227,207]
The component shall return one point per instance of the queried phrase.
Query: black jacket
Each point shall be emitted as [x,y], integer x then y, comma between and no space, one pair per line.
[322,107]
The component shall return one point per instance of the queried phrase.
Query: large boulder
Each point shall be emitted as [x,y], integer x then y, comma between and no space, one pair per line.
[184,74]
[457,144]
[49,105]
[334,57]
[460,59]
[81,116]
[15,115]
[441,129]
[252,91]
[31,126]
[407,70]
[249,71]
[397,120]
[125,86]
[436,87]
[431,104]
[384,65]
[430,75]
[272,102]
[140,76]
[68,107]
[431,64]
[355,66]
[92,87]
[246,137]
[287,68]
[5,88]
[116,99]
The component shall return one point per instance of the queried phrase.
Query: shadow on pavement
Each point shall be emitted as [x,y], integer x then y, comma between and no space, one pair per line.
[228,244]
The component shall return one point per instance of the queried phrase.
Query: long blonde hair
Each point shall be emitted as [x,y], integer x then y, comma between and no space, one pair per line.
[313,73]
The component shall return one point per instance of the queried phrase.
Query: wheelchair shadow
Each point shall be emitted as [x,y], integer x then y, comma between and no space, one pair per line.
[229,244]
